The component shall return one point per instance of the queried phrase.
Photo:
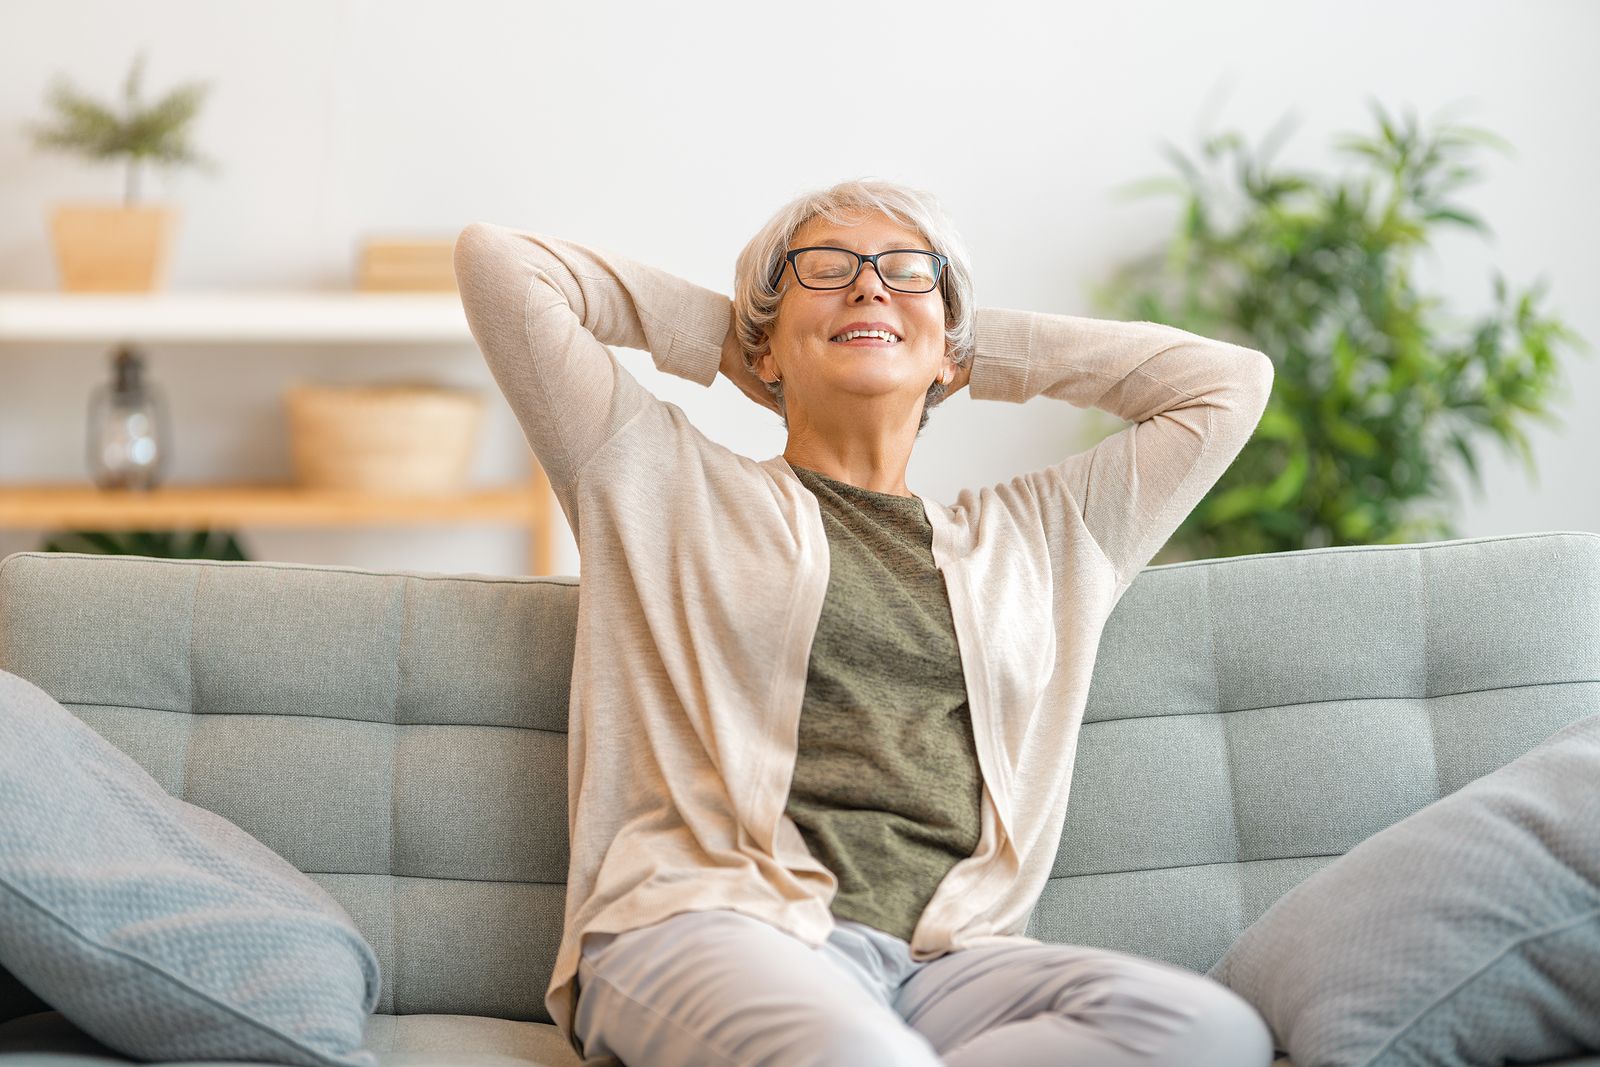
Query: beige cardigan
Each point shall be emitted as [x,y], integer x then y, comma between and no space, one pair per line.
[703,574]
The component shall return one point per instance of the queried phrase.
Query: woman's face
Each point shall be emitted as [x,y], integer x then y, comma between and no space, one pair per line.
[813,366]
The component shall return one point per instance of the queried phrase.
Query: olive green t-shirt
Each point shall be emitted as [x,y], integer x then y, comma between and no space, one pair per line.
[886,787]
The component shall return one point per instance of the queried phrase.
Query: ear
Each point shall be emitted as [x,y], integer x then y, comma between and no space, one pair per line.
[766,366]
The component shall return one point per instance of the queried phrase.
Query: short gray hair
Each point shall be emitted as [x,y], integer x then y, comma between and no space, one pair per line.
[755,293]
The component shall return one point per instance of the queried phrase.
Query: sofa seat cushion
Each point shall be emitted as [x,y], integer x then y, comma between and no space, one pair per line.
[395,1040]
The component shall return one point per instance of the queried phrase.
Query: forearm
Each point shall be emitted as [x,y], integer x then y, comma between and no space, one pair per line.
[516,276]
[1133,370]
[544,311]
[1193,402]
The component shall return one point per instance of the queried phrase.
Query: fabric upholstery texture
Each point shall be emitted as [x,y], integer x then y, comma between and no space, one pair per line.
[1465,934]
[399,737]
[158,927]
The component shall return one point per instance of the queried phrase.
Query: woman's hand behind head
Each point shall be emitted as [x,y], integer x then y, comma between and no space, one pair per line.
[733,368]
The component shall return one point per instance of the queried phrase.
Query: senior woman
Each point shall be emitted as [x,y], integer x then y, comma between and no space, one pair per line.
[822,727]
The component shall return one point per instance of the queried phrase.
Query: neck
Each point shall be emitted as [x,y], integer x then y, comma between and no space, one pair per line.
[866,456]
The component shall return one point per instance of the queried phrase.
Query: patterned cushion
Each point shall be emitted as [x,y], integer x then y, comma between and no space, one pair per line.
[160,928]
[1466,933]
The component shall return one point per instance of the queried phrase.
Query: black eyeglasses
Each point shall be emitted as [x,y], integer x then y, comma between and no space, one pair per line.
[905,270]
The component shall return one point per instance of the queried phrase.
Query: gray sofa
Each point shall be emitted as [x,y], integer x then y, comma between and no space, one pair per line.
[400,736]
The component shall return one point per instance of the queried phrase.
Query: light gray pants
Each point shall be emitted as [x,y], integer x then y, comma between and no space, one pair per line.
[721,989]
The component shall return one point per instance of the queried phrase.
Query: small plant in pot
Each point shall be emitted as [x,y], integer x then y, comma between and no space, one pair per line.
[119,247]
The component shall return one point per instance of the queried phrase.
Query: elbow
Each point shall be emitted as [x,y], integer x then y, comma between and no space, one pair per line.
[1261,380]
[491,282]
[490,262]
[1249,385]
[470,246]
[1269,371]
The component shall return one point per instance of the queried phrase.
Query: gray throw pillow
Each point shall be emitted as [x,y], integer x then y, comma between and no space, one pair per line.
[1466,933]
[157,927]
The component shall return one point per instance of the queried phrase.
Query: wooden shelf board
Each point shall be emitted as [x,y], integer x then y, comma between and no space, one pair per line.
[86,507]
[233,316]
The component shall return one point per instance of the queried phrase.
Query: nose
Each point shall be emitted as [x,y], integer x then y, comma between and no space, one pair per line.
[861,284]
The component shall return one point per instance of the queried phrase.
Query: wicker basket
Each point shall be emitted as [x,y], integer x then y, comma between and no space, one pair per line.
[401,437]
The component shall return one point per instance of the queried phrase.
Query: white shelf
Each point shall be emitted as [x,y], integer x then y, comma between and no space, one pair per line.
[239,316]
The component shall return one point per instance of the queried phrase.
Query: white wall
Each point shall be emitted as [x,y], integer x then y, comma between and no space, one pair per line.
[669,133]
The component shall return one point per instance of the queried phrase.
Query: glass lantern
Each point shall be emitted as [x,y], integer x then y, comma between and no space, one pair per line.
[130,433]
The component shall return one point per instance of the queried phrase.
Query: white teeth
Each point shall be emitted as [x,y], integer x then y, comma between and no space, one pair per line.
[882,335]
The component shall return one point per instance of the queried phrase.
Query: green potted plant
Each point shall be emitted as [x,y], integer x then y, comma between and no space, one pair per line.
[1377,392]
[168,544]
[119,247]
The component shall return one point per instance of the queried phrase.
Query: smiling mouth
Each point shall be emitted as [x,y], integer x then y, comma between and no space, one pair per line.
[874,338]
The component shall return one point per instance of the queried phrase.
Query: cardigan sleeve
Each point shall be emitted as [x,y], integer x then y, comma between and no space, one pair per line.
[543,311]
[1193,403]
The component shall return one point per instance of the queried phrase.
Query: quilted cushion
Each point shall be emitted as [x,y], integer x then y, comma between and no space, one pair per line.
[160,928]
[1466,933]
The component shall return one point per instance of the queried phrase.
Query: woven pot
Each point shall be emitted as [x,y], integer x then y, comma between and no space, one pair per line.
[112,248]
[403,437]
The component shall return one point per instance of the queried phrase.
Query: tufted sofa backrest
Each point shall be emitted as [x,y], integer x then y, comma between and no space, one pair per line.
[400,736]
[1252,718]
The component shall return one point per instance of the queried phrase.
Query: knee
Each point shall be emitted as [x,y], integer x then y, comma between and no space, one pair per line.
[1194,1022]
[1227,1031]
[867,1043]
